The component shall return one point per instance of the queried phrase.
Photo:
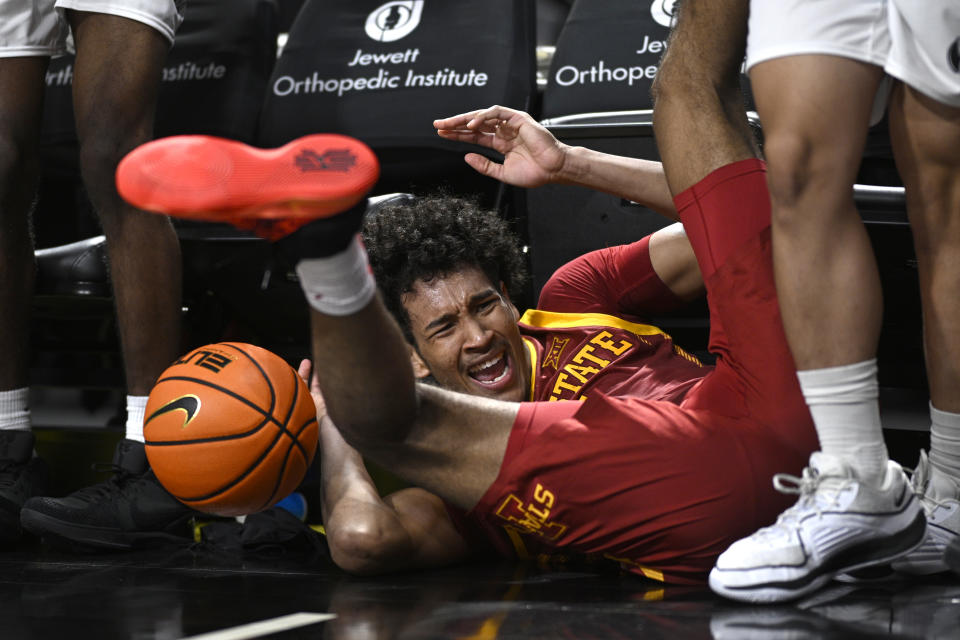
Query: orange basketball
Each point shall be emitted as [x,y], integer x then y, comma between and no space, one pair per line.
[230,429]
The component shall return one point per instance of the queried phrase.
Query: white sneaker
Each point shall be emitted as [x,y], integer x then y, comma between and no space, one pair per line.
[838,524]
[939,496]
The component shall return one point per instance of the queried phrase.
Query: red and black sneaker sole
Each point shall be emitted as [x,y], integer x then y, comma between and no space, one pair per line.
[219,180]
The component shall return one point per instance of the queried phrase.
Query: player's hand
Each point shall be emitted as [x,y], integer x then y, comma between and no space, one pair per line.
[305,370]
[532,156]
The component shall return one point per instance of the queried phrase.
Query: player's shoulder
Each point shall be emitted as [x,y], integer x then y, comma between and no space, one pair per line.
[556,320]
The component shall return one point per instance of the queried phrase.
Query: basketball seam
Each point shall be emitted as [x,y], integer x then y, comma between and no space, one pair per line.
[294,441]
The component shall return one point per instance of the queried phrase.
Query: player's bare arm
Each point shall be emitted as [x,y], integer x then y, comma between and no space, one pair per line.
[674,262]
[368,534]
[534,157]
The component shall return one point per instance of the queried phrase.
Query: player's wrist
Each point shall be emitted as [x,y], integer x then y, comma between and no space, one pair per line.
[573,166]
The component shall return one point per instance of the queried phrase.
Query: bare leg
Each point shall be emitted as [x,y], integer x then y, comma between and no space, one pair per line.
[115,88]
[826,274]
[815,111]
[21,85]
[926,138]
[700,119]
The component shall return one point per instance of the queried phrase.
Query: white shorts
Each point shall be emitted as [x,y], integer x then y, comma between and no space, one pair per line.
[916,41]
[40,28]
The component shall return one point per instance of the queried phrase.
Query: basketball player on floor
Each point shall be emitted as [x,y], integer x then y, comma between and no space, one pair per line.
[815,69]
[658,485]
[120,48]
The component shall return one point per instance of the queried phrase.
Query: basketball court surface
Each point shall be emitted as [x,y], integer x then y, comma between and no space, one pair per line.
[189,593]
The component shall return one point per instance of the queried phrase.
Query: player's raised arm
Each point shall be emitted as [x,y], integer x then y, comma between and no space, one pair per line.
[534,157]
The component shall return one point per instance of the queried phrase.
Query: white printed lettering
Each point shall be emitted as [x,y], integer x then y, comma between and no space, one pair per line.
[398,57]
[652,46]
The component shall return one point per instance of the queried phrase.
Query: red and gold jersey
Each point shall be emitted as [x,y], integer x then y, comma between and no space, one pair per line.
[658,464]
[575,354]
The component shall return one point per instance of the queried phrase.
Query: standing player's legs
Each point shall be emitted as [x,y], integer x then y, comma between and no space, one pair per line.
[21,106]
[116,78]
[827,278]
[926,140]
[854,510]
[116,81]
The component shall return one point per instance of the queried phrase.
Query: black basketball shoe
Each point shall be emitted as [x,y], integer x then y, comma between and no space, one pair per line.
[130,510]
[22,476]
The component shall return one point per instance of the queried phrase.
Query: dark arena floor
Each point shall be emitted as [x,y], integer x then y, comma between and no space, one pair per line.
[189,593]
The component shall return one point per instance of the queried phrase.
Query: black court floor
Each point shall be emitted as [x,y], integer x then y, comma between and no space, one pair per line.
[182,593]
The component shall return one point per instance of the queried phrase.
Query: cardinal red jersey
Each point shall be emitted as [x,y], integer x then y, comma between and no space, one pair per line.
[661,485]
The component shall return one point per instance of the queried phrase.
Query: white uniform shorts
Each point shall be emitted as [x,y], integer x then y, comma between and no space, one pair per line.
[916,41]
[40,28]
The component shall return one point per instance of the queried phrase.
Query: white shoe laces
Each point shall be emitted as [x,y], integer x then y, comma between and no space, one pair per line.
[920,482]
[807,488]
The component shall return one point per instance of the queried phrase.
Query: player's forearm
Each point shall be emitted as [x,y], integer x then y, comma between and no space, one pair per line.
[363,532]
[344,476]
[641,181]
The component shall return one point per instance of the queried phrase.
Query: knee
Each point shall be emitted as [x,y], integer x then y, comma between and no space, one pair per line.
[19,167]
[675,81]
[105,138]
[682,85]
[99,157]
[797,170]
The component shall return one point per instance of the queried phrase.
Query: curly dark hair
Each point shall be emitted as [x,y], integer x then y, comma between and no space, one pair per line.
[426,237]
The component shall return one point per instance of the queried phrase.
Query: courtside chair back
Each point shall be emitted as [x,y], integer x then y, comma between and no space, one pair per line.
[382,71]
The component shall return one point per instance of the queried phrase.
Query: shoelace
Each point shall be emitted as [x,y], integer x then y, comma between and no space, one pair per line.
[920,481]
[805,487]
[115,484]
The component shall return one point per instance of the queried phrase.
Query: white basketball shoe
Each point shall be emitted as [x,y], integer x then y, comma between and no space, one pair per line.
[940,497]
[839,524]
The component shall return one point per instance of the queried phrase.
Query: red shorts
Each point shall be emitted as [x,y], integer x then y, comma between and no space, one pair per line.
[665,488]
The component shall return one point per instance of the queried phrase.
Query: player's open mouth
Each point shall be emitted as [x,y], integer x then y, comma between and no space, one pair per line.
[492,371]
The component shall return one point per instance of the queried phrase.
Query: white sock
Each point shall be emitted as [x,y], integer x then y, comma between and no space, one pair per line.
[136,407]
[844,404]
[945,447]
[338,285]
[15,410]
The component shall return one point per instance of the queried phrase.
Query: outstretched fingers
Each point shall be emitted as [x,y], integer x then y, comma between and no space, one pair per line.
[482,126]
[484,165]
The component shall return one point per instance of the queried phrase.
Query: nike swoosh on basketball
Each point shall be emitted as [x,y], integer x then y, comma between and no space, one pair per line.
[190,405]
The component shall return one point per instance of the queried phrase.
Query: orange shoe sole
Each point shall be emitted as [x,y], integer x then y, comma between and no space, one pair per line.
[214,179]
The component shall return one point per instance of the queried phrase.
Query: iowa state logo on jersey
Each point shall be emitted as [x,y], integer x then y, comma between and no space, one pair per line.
[591,358]
[532,516]
[577,347]
[551,358]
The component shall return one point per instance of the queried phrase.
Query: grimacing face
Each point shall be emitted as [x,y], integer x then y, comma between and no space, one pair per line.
[467,337]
